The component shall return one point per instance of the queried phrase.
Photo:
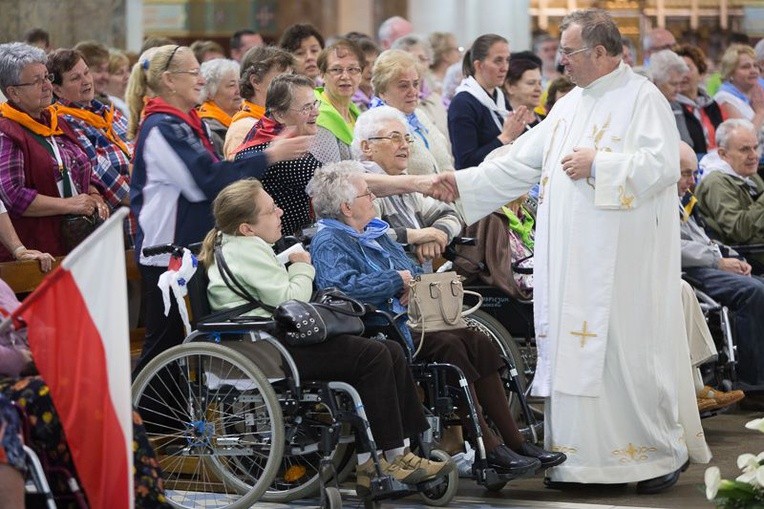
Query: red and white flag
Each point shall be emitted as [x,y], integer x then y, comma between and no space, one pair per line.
[78,332]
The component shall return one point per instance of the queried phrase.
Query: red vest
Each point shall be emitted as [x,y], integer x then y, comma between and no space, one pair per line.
[41,233]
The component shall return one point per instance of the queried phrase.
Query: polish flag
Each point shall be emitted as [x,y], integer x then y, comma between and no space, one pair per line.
[78,332]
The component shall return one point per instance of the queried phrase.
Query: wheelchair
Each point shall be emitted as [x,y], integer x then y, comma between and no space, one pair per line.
[228,433]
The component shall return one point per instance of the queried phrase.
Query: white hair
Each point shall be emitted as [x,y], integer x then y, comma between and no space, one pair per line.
[213,72]
[725,129]
[331,186]
[663,63]
[368,124]
[407,42]
[14,57]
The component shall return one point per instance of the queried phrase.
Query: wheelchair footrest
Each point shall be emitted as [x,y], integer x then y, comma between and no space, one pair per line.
[388,487]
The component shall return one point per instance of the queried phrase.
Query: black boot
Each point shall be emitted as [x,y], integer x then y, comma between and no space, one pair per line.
[547,458]
[506,461]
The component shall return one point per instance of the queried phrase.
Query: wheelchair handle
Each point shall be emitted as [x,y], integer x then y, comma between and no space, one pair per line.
[161,249]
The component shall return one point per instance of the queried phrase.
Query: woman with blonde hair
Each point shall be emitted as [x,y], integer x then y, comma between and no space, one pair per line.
[740,95]
[396,82]
[176,173]
[248,222]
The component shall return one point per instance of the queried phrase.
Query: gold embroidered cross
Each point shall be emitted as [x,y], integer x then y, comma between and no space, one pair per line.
[585,335]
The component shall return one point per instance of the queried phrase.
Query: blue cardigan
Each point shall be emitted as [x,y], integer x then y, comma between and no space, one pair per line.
[472,130]
[362,273]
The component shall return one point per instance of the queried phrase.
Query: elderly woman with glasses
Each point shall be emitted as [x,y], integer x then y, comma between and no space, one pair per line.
[177,173]
[396,81]
[44,173]
[220,98]
[101,128]
[353,252]
[292,105]
[258,68]
[341,65]
[382,143]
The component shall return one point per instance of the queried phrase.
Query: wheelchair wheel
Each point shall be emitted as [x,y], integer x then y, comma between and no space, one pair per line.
[442,494]
[508,348]
[215,423]
[333,498]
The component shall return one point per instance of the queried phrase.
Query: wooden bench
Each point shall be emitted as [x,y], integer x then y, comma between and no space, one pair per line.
[24,277]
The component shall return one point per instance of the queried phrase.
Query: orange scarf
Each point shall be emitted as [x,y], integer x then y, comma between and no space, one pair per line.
[18,116]
[249,110]
[209,109]
[104,123]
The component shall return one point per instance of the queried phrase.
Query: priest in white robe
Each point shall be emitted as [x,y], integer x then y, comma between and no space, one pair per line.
[610,335]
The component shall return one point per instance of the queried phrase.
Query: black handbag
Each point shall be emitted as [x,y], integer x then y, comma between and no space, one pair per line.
[76,227]
[330,313]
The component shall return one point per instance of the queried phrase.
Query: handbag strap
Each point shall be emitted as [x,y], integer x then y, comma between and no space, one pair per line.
[230,280]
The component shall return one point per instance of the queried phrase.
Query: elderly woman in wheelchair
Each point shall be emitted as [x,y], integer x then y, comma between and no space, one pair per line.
[352,251]
[247,223]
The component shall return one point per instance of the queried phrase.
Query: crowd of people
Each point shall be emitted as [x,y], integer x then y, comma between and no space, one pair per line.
[565,159]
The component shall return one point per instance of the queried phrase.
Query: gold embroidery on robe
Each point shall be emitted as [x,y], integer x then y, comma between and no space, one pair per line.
[634,453]
[626,200]
[564,449]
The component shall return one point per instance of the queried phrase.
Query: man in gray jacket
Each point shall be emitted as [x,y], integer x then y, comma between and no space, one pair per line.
[726,277]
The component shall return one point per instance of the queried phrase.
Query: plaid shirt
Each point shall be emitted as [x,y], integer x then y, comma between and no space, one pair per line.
[112,170]
[13,189]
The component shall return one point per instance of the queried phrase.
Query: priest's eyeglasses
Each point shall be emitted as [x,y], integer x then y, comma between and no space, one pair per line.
[395,137]
[38,81]
[567,52]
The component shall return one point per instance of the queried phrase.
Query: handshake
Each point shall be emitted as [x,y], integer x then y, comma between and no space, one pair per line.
[441,187]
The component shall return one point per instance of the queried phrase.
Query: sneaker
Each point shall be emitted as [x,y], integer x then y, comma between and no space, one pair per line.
[706,404]
[722,399]
[366,472]
[433,469]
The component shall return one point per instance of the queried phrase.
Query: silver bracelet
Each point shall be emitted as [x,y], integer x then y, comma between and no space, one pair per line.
[17,250]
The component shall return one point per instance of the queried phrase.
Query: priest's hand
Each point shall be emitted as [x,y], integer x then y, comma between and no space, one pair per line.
[578,164]
[443,187]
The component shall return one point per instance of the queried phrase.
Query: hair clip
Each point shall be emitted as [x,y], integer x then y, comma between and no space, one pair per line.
[145,64]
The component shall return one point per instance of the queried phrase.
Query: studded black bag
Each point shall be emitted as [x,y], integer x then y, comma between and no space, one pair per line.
[331,313]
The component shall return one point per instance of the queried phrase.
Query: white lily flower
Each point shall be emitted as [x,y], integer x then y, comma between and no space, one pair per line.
[713,478]
[747,462]
[757,424]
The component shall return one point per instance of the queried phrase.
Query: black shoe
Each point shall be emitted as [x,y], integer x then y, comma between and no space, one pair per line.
[506,461]
[562,485]
[547,458]
[658,484]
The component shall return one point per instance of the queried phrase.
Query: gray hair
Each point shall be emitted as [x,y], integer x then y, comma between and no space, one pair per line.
[369,123]
[725,129]
[213,72]
[14,57]
[407,42]
[759,49]
[331,186]
[663,63]
[597,29]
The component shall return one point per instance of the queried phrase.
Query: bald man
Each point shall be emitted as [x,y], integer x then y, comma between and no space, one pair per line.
[656,40]
[726,277]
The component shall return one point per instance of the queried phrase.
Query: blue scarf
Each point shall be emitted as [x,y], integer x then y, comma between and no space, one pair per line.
[374,230]
[732,89]
[415,125]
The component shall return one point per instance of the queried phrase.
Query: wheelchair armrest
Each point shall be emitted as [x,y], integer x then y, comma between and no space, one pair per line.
[242,324]
[748,248]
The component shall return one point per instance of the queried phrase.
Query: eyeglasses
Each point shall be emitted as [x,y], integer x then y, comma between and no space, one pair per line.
[339,71]
[567,52]
[172,55]
[37,81]
[367,193]
[192,72]
[308,108]
[395,137]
